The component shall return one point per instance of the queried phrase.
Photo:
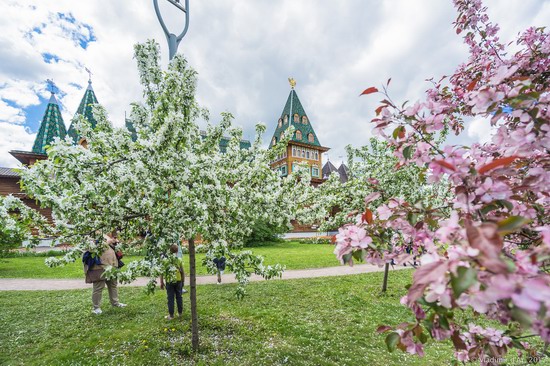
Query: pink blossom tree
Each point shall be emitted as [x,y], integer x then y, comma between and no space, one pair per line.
[486,251]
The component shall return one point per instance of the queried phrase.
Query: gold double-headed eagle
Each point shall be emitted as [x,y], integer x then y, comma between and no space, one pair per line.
[292,82]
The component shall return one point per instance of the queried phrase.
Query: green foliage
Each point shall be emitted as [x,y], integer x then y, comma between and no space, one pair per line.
[464,279]
[392,340]
[263,232]
[8,242]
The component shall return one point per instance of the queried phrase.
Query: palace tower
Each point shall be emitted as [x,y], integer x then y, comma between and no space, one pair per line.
[304,146]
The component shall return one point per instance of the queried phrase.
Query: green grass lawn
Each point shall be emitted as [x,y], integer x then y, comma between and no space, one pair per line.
[321,321]
[292,254]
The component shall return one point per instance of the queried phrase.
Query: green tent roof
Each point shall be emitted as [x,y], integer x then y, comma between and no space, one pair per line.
[294,106]
[52,126]
[224,143]
[85,109]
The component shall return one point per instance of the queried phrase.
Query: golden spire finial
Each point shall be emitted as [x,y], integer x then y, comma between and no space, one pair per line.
[292,82]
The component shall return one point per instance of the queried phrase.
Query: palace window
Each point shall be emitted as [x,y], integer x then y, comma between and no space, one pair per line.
[280,124]
[314,171]
[296,118]
[310,137]
[304,120]
[274,140]
[299,152]
[283,170]
[294,167]
[280,156]
[298,135]
[285,119]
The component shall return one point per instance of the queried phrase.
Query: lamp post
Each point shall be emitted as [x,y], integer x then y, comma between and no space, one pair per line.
[173,40]
[173,43]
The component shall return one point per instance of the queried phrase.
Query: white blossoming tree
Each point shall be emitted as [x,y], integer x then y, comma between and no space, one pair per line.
[171,181]
[372,174]
[17,222]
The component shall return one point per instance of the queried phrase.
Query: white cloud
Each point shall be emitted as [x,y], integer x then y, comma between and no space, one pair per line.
[244,51]
[11,114]
[21,92]
[480,130]
[14,137]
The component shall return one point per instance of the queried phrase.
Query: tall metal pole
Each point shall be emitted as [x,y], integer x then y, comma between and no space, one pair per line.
[173,40]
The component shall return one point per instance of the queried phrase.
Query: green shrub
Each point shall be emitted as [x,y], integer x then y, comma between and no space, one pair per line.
[263,232]
[9,242]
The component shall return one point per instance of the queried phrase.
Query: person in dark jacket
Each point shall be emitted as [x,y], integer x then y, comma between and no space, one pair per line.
[220,266]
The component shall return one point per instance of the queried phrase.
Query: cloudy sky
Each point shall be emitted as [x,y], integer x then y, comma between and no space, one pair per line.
[244,51]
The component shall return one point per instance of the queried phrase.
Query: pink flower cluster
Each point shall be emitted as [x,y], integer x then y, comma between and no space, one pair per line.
[350,237]
[488,247]
[400,240]
[476,338]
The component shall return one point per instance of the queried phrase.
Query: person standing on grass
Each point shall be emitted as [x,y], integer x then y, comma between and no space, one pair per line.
[174,288]
[95,275]
[220,267]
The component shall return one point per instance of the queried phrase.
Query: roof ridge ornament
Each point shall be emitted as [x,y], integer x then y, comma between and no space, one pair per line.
[51,86]
[292,83]
[173,40]
[89,75]
[52,89]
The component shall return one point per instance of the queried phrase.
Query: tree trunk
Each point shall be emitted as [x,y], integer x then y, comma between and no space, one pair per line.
[193,296]
[385,282]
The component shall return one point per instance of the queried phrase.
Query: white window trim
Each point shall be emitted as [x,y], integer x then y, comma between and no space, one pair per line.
[317,169]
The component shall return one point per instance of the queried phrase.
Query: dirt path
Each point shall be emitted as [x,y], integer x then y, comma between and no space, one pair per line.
[28,284]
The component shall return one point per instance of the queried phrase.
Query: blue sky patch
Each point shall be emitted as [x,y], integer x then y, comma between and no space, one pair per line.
[34,115]
[77,86]
[68,17]
[50,58]
[85,40]
[84,33]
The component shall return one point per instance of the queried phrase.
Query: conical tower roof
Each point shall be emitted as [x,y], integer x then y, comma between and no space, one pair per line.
[52,126]
[343,170]
[292,107]
[328,169]
[85,109]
